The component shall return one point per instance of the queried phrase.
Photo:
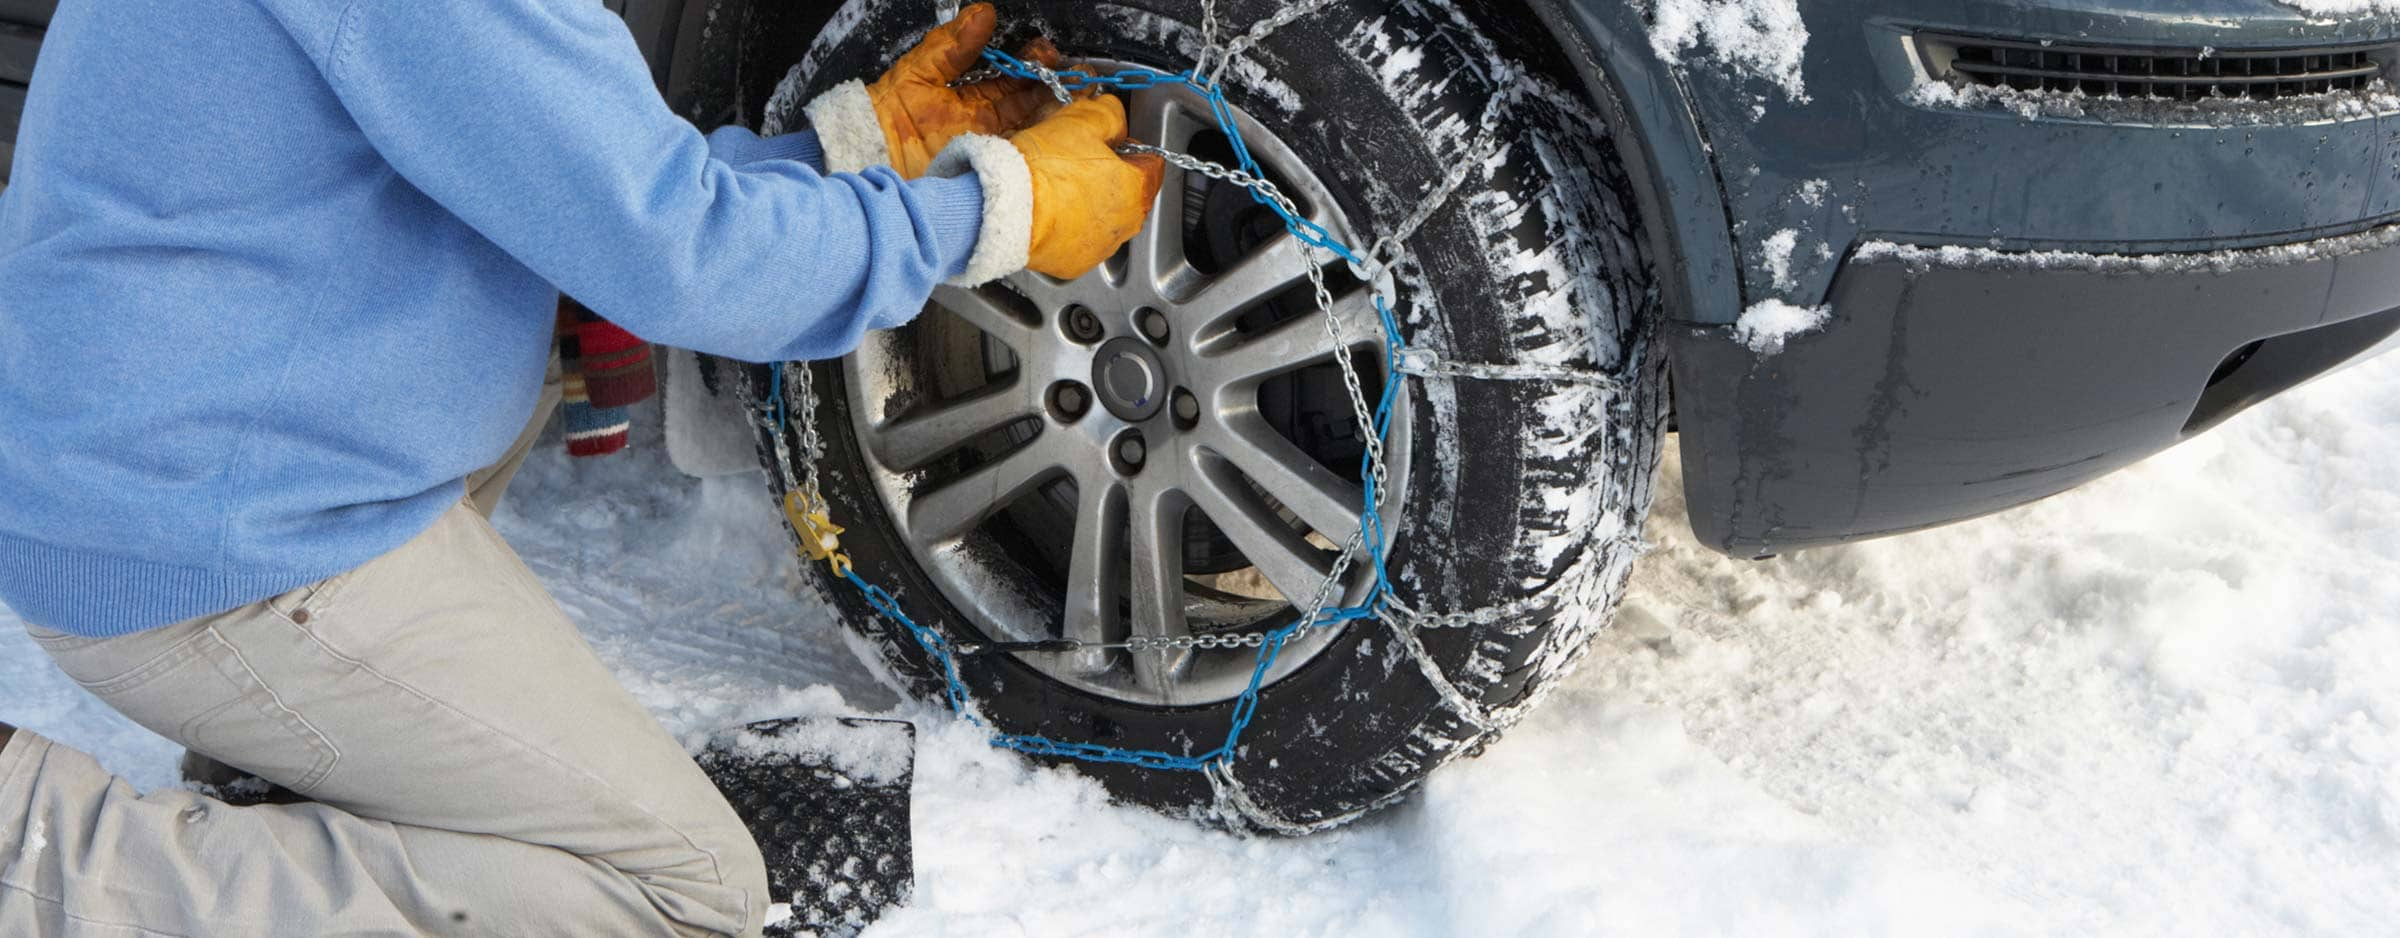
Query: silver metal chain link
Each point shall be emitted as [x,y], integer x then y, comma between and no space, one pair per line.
[1257,33]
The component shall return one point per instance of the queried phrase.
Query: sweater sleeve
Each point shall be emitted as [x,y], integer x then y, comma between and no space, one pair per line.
[536,123]
[737,145]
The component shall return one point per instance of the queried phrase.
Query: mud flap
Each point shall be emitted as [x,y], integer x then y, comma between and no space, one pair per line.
[707,428]
[827,799]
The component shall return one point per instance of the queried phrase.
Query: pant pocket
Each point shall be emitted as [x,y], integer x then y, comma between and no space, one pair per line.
[201,692]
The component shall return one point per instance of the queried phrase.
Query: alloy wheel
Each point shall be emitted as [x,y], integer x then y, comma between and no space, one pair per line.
[1152,449]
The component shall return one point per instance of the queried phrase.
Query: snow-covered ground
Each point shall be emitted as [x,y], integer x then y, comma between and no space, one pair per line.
[2168,703]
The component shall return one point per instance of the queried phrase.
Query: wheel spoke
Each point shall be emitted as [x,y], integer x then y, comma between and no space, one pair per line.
[1048,292]
[1267,270]
[918,438]
[987,313]
[1156,535]
[1155,256]
[1099,552]
[1157,116]
[1281,556]
[957,506]
[1323,500]
[1291,344]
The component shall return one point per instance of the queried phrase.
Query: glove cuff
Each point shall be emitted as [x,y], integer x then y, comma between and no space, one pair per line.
[1005,241]
[846,125]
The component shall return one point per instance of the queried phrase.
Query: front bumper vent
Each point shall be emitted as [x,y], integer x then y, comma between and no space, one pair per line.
[2158,73]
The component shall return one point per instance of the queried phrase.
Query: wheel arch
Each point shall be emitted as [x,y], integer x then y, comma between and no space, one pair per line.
[1666,154]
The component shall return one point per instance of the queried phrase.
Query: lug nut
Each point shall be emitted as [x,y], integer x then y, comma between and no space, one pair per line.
[1131,452]
[1082,326]
[1154,325]
[1069,399]
[1187,407]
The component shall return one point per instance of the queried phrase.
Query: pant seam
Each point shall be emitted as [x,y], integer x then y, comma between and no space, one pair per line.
[62,640]
[165,662]
[81,920]
[30,747]
[715,863]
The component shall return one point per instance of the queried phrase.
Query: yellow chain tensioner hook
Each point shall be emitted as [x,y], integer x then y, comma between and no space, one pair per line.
[820,538]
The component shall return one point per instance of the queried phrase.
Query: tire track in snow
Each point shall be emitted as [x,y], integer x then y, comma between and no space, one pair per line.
[2161,704]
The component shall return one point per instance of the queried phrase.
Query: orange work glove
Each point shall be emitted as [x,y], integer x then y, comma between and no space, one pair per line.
[1057,198]
[1087,199]
[911,113]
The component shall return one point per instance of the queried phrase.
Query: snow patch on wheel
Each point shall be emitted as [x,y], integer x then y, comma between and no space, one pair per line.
[1397,60]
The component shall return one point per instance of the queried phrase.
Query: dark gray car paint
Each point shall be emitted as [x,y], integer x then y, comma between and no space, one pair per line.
[1945,392]
[1989,176]
[1934,395]
[1723,155]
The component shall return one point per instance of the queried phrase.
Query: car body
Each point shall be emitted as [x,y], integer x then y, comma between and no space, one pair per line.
[2120,275]
[2024,290]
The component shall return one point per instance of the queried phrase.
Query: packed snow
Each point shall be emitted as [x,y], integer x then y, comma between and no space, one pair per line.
[2275,255]
[868,757]
[2331,8]
[2377,99]
[1768,324]
[1776,251]
[1763,39]
[2167,703]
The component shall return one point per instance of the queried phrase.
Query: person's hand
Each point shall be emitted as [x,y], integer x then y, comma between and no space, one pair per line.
[1087,199]
[1057,197]
[915,112]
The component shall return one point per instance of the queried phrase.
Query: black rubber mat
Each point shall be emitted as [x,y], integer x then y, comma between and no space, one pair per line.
[828,801]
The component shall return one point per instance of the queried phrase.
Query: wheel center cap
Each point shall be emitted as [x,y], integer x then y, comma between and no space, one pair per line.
[1131,381]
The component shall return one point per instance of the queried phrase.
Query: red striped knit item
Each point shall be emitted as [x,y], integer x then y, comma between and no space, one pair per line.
[591,431]
[604,370]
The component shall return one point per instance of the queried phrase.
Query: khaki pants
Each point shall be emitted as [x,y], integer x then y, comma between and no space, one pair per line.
[474,770]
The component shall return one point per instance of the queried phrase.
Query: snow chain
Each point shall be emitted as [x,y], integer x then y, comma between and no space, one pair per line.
[811,516]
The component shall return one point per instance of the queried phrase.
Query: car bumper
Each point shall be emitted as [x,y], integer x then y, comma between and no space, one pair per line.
[1954,382]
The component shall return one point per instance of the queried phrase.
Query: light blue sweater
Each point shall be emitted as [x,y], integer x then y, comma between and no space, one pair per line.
[275,275]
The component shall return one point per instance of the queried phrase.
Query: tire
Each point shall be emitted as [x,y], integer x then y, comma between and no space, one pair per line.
[1534,506]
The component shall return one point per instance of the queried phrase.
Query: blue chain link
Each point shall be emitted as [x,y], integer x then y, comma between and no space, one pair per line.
[1371,524]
